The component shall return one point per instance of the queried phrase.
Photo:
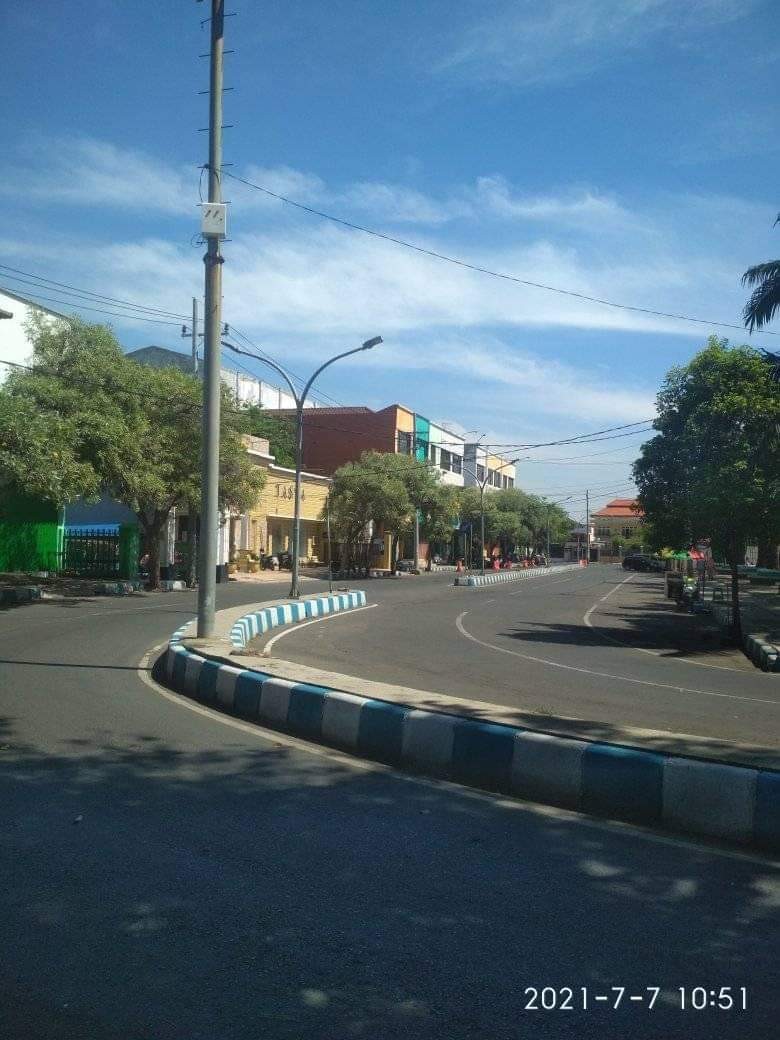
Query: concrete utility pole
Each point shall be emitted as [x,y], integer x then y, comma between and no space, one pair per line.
[194,335]
[587,527]
[212,326]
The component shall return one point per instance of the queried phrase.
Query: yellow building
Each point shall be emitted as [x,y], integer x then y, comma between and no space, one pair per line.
[267,527]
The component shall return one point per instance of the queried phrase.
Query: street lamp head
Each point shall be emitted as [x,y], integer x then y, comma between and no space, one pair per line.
[372,343]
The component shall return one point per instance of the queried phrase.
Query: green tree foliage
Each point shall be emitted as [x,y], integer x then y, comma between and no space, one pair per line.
[713,468]
[280,433]
[765,299]
[384,488]
[133,431]
[513,518]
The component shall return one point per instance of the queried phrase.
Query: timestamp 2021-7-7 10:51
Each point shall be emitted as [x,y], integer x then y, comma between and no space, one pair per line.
[684,998]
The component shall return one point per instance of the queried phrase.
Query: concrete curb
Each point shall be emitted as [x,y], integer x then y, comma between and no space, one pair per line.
[262,621]
[765,656]
[711,799]
[493,578]
[19,594]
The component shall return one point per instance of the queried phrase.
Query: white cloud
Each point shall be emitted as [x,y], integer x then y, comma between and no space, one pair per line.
[530,43]
[96,174]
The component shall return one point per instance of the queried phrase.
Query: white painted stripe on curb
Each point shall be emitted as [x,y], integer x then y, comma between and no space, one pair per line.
[341,718]
[226,685]
[428,739]
[709,798]
[275,700]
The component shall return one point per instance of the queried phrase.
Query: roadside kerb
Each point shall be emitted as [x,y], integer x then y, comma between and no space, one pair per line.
[19,594]
[494,577]
[261,621]
[733,803]
[764,655]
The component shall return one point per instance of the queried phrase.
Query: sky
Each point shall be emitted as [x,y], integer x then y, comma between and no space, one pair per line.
[621,149]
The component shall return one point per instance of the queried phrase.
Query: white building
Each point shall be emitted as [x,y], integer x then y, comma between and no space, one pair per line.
[479,463]
[15,348]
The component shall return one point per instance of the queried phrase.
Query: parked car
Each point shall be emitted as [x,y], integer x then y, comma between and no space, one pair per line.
[643,562]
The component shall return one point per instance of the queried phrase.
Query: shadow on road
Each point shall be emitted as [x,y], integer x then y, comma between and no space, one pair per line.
[153,890]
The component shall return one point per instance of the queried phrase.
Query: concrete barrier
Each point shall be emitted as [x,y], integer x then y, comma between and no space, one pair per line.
[693,796]
[496,577]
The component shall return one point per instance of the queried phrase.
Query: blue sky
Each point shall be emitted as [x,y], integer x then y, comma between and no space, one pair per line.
[626,149]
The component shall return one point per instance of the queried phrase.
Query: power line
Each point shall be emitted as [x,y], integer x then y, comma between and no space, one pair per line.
[478,268]
[34,297]
[28,278]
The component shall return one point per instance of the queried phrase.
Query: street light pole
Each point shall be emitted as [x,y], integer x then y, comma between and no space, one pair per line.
[300,401]
[482,485]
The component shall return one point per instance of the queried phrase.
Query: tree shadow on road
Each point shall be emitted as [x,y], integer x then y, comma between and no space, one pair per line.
[234,886]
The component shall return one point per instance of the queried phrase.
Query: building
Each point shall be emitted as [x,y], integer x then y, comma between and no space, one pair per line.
[247,388]
[479,463]
[619,521]
[334,436]
[15,311]
[268,526]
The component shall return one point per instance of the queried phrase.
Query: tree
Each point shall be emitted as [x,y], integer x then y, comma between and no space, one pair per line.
[438,514]
[765,298]
[39,453]
[280,433]
[363,492]
[134,429]
[713,469]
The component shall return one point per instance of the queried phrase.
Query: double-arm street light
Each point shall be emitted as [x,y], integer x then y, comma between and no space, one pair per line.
[300,401]
[482,485]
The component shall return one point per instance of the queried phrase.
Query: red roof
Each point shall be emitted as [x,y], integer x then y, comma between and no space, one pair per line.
[620,507]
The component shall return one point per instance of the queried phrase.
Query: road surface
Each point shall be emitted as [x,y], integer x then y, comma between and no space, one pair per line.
[168,874]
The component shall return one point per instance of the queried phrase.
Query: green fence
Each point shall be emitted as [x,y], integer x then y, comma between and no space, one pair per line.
[31,533]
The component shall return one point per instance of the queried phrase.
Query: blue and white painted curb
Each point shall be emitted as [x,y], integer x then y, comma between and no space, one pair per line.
[494,577]
[262,621]
[733,803]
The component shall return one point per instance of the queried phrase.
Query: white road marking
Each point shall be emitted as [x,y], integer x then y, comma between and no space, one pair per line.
[497,800]
[603,675]
[304,624]
[643,649]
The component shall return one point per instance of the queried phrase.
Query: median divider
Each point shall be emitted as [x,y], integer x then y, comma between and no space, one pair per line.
[495,577]
[712,799]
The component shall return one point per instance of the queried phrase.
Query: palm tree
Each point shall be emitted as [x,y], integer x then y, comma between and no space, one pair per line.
[765,298]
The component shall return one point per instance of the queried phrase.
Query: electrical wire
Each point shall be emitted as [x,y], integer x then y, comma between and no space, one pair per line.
[35,279]
[34,297]
[478,268]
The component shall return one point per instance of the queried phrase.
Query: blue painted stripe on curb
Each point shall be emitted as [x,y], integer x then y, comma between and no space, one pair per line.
[304,714]
[482,754]
[207,682]
[766,816]
[380,733]
[246,699]
[623,783]
[179,667]
[308,608]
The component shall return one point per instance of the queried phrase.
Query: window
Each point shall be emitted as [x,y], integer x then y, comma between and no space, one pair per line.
[510,482]
[432,453]
[480,473]
[457,463]
[404,443]
[445,463]
[603,532]
[628,531]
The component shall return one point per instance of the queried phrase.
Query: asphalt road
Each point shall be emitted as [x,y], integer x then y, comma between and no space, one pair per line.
[528,645]
[167,874]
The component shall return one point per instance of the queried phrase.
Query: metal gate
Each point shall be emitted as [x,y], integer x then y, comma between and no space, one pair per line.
[91,554]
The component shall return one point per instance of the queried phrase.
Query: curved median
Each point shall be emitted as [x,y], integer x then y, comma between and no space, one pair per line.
[409,728]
